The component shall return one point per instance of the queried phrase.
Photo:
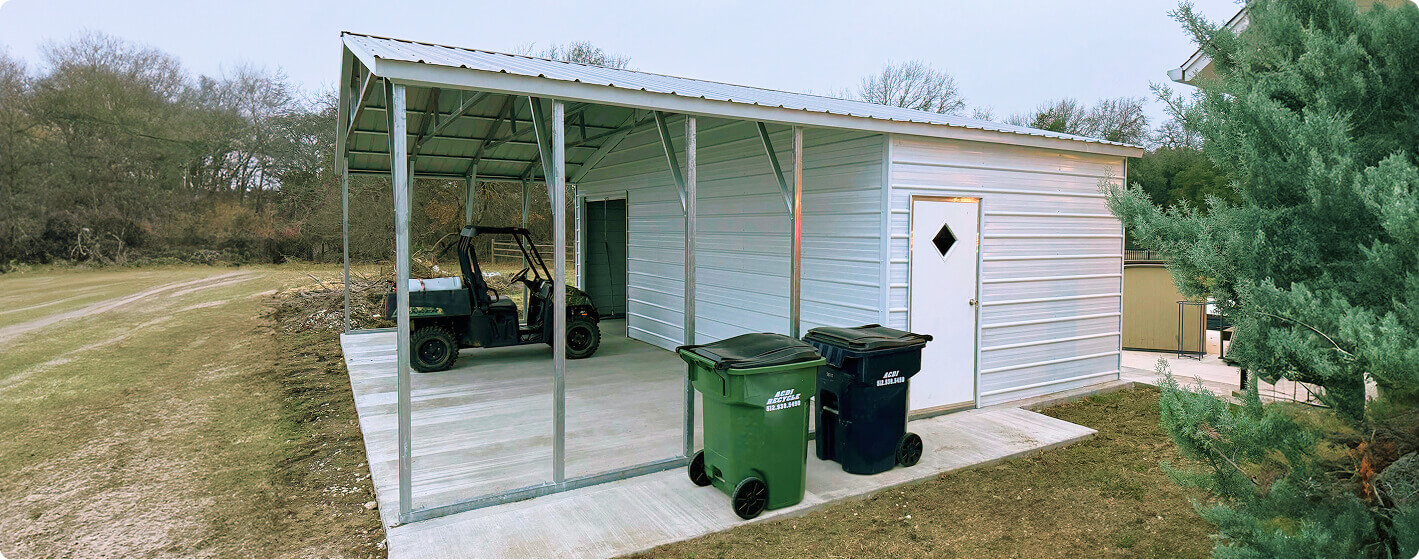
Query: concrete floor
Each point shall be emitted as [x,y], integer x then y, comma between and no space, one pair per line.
[1209,371]
[485,426]
[631,515]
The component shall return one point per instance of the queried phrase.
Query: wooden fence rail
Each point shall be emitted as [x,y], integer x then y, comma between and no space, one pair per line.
[507,252]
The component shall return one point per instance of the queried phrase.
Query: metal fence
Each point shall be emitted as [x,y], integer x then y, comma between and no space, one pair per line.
[1141,256]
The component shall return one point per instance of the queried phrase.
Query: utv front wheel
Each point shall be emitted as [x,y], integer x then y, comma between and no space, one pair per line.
[583,338]
[433,349]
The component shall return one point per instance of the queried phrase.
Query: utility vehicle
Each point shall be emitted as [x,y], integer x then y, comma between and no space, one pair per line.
[473,315]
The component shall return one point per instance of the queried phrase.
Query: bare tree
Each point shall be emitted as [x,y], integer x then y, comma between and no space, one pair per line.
[1065,115]
[1117,120]
[1179,131]
[581,52]
[914,85]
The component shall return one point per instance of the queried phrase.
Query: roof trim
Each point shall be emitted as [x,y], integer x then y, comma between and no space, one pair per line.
[1199,60]
[419,73]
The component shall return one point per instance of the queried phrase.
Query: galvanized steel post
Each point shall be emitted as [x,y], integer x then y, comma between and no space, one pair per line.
[557,185]
[399,179]
[691,172]
[345,232]
[526,206]
[470,198]
[795,265]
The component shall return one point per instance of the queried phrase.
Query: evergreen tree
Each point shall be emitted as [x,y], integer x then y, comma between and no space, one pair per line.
[1314,118]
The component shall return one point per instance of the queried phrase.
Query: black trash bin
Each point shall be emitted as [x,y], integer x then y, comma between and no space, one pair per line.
[862,396]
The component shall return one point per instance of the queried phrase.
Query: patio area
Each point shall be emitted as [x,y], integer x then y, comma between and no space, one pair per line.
[485,426]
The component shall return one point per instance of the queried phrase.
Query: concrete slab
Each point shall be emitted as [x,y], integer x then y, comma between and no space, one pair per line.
[485,426]
[631,515]
[1210,371]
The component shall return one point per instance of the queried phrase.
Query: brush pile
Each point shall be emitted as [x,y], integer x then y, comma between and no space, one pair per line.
[320,304]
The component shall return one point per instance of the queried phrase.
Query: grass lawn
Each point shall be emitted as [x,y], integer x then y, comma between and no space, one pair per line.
[154,412]
[166,412]
[1104,497]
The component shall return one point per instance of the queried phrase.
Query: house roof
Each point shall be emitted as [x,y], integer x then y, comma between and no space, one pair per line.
[396,59]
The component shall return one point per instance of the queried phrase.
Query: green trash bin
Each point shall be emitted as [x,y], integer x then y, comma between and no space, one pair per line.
[756,389]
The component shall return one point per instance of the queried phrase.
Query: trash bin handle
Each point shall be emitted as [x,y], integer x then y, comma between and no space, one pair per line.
[723,382]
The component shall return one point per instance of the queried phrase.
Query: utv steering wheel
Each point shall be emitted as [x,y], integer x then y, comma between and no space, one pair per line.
[521,275]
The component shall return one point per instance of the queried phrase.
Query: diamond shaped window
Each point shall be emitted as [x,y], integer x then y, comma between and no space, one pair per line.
[944,240]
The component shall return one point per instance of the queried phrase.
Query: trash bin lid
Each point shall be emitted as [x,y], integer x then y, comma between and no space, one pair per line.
[754,350]
[867,338]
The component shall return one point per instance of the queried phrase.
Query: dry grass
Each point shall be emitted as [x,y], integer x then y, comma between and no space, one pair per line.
[175,424]
[1104,497]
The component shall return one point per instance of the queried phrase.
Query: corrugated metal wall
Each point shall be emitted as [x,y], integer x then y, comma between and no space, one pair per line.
[743,245]
[1051,258]
[1051,252]
[1150,311]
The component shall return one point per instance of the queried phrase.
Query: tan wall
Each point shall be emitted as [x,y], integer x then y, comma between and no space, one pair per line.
[1150,311]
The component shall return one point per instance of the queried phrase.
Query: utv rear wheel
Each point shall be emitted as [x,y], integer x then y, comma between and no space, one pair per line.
[433,349]
[583,338]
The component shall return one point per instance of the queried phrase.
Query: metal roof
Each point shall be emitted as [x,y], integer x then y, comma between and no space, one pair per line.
[371,49]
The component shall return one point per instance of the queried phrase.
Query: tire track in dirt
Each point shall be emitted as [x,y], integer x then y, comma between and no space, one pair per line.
[9,382]
[45,304]
[13,331]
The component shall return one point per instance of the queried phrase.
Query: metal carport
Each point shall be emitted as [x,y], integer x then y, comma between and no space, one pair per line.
[467,115]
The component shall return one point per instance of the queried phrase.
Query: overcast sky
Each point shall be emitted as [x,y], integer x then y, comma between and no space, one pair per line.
[1008,55]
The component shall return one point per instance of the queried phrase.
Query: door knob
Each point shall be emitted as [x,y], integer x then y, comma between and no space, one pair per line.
[973,301]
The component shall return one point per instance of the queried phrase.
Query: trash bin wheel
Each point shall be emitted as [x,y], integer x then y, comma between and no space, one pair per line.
[908,449]
[750,497]
[433,349]
[697,470]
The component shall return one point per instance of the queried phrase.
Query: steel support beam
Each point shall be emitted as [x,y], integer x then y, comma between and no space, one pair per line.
[434,176]
[431,110]
[545,144]
[342,165]
[399,179]
[470,196]
[526,214]
[579,107]
[775,167]
[670,157]
[345,235]
[631,127]
[556,182]
[691,175]
[611,142]
[483,143]
[796,264]
[359,108]
[446,120]
[546,488]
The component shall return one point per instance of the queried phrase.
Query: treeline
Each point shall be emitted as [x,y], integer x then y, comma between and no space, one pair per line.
[111,152]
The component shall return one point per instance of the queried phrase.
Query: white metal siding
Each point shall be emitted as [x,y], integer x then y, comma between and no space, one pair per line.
[742,251]
[1051,257]
[842,229]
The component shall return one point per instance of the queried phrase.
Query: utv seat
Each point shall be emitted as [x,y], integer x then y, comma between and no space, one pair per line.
[503,304]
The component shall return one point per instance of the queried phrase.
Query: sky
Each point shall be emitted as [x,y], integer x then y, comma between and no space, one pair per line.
[1008,55]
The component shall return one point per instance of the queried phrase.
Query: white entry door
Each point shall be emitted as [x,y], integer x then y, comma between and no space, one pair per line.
[944,243]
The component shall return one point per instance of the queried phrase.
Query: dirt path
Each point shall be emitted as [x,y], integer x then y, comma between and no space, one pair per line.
[167,418]
[9,332]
